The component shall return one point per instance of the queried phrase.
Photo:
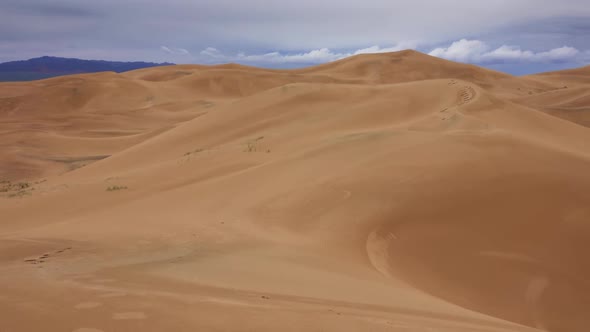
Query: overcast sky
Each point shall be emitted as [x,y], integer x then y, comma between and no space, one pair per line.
[518,36]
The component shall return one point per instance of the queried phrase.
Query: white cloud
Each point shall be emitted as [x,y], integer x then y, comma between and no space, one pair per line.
[507,53]
[476,51]
[175,51]
[558,54]
[312,57]
[288,26]
[464,50]
[212,52]
[398,47]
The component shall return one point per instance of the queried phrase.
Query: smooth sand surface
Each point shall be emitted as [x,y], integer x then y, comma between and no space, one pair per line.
[387,192]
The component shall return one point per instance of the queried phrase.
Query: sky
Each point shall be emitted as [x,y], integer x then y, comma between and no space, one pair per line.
[515,36]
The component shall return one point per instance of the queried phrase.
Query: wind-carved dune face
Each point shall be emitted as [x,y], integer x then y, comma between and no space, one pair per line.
[503,250]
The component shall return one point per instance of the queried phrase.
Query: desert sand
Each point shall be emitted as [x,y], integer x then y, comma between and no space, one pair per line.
[384,192]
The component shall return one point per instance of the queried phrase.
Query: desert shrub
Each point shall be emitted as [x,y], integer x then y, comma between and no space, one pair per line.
[116,188]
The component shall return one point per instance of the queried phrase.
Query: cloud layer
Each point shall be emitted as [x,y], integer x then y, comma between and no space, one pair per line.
[120,25]
[312,57]
[176,51]
[292,32]
[476,51]
[464,50]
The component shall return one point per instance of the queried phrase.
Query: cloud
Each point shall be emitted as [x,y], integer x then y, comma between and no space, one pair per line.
[281,33]
[561,54]
[398,47]
[476,51]
[464,50]
[212,52]
[175,51]
[314,56]
[320,55]
[289,26]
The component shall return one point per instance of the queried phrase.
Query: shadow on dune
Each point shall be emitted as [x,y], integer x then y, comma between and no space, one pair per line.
[513,246]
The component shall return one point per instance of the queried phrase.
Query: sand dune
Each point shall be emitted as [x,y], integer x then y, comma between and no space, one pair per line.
[570,99]
[389,192]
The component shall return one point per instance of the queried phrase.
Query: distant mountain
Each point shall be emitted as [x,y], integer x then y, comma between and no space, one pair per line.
[47,66]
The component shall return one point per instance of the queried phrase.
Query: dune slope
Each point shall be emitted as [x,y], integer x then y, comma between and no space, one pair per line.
[570,99]
[367,194]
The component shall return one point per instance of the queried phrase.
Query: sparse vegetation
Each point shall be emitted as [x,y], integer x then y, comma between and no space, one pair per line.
[116,188]
[194,152]
[251,145]
[16,189]
[19,194]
